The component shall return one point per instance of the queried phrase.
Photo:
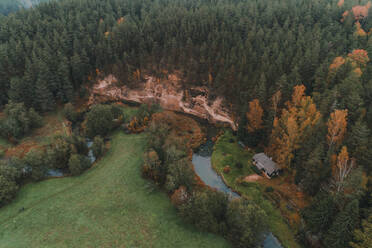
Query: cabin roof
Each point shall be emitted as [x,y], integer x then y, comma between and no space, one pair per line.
[269,165]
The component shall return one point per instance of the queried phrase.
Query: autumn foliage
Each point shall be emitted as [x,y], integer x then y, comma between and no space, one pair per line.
[137,126]
[180,196]
[292,127]
[358,58]
[254,116]
[342,169]
[337,124]
[337,62]
[359,30]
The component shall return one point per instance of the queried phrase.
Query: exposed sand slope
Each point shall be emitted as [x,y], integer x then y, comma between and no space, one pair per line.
[166,92]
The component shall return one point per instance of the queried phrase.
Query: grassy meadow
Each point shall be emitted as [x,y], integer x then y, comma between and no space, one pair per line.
[110,205]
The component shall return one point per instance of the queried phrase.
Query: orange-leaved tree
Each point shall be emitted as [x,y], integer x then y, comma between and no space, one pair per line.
[254,116]
[337,124]
[293,126]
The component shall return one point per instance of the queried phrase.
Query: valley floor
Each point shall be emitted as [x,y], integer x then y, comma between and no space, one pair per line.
[110,205]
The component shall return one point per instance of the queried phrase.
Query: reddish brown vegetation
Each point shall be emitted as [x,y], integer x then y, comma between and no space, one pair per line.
[226,169]
[179,196]
[182,127]
[337,62]
[254,116]
[359,56]
[359,11]
[337,124]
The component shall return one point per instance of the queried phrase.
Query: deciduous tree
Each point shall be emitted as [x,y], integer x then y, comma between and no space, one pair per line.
[254,116]
[337,124]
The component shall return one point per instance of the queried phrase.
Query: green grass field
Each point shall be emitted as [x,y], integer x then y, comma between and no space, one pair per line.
[224,149]
[3,142]
[110,205]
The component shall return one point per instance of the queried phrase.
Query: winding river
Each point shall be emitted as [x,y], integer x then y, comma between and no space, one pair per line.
[201,160]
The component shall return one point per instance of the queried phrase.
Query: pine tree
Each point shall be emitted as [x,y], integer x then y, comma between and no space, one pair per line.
[17,91]
[363,236]
[44,100]
[340,233]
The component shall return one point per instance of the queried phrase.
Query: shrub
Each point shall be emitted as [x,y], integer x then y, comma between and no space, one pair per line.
[239,165]
[77,164]
[206,210]
[78,144]
[36,160]
[153,167]
[246,223]
[180,196]
[226,169]
[98,146]
[8,190]
[58,153]
[70,113]
[19,121]
[180,173]
[99,120]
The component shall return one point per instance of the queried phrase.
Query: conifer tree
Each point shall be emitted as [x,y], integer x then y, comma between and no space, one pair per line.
[340,233]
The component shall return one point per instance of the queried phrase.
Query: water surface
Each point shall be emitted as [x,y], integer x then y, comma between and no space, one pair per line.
[201,160]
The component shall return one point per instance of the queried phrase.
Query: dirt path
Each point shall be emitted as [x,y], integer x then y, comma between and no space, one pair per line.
[252,178]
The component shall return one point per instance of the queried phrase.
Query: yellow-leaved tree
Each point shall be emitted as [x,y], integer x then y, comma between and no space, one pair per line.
[337,124]
[292,127]
[254,116]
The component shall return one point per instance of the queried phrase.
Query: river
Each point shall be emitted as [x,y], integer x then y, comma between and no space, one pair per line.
[201,160]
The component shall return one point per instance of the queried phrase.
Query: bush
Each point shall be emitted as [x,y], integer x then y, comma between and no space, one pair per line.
[8,190]
[226,169]
[206,210]
[153,167]
[246,223]
[77,164]
[19,121]
[58,153]
[180,173]
[99,120]
[98,146]
[36,160]
[180,196]
[8,181]
[239,165]
[78,144]
[70,113]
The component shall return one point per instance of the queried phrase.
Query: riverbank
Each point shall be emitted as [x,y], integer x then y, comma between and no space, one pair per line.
[109,205]
[227,152]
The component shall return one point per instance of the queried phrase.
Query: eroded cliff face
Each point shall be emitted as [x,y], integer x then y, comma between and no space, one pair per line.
[166,92]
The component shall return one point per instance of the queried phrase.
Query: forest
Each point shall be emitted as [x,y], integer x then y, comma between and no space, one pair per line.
[296,74]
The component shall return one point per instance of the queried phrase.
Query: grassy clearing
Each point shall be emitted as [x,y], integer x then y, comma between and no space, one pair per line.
[3,143]
[110,205]
[226,150]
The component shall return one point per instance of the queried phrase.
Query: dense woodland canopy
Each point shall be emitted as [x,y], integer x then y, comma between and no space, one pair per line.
[296,74]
